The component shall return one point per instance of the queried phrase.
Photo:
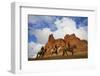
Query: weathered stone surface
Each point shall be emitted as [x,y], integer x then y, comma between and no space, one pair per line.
[56,47]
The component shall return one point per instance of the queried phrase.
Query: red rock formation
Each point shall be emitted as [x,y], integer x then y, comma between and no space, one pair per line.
[55,47]
[49,45]
[73,40]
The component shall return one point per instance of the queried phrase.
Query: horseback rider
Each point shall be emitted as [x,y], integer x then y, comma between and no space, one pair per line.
[69,49]
[41,52]
[55,50]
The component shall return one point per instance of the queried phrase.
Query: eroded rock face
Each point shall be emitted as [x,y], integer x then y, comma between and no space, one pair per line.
[56,47]
[73,40]
[49,46]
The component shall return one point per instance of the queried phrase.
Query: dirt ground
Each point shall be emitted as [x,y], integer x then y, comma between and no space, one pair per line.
[77,55]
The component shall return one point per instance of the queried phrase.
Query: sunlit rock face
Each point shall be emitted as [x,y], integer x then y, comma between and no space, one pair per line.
[55,47]
[73,40]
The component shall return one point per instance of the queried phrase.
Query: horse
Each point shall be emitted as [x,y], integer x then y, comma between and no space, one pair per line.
[41,52]
[69,49]
[55,50]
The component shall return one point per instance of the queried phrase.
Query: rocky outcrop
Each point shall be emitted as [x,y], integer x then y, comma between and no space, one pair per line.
[64,47]
[73,40]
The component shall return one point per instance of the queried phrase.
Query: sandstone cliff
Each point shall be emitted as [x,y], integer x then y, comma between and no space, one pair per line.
[69,45]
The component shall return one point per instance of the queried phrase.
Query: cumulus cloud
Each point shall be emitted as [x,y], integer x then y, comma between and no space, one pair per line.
[40,22]
[42,35]
[33,49]
[64,26]
[68,26]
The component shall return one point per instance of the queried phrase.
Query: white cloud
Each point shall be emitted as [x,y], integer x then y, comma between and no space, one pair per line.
[68,26]
[33,49]
[64,26]
[42,35]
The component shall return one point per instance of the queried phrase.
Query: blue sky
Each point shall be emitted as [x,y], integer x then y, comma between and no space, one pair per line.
[39,22]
